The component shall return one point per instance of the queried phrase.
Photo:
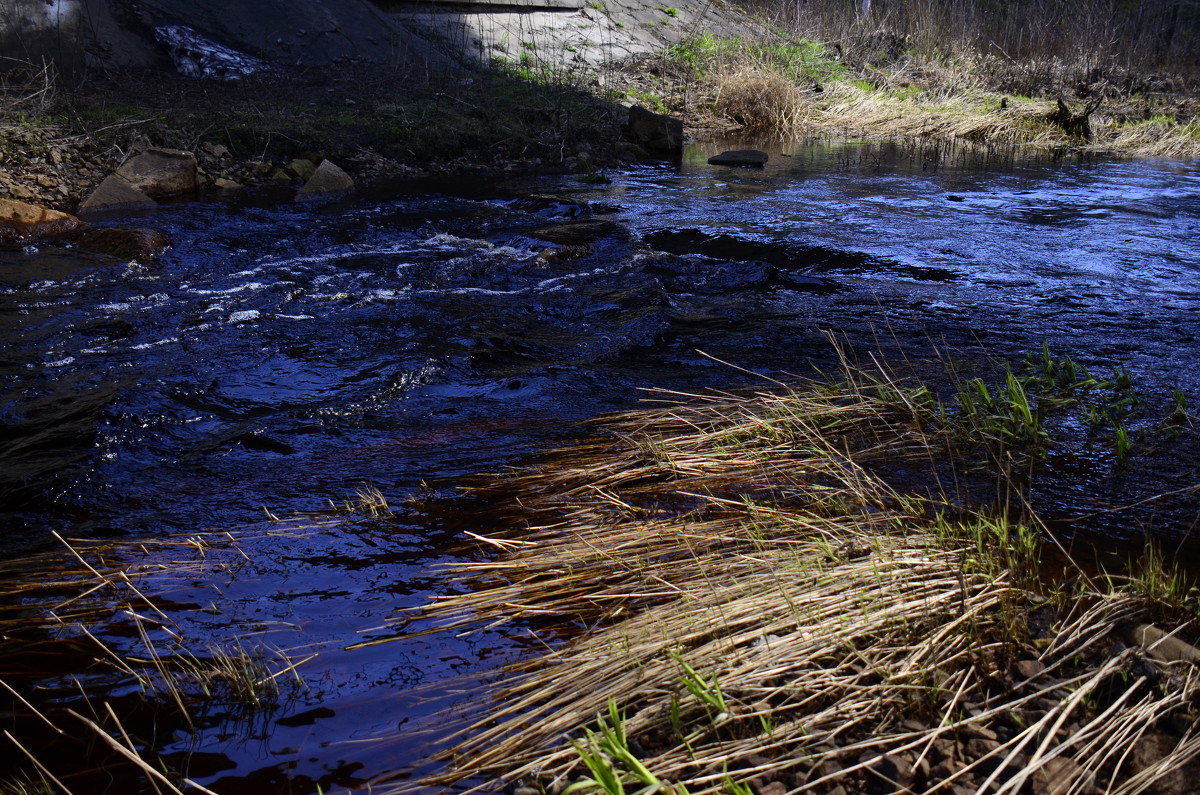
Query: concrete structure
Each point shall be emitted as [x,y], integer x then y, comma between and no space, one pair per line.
[562,33]
[217,38]
[36,32]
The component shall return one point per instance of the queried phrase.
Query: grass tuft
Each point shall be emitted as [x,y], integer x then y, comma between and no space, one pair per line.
[766,603]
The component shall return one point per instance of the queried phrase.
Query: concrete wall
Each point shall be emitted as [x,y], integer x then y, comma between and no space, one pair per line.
[33,32]
[290,34]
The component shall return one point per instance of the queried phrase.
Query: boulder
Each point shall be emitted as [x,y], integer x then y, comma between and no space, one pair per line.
[160,172]
[19,221]
[143,245]
[655,131]
[115,193]
[326,182]
[739,157]
[301,168]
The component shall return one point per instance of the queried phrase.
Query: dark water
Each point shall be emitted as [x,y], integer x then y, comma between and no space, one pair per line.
[281,356]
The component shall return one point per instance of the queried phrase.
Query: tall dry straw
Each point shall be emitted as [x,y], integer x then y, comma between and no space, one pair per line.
[761,100]
[745,601]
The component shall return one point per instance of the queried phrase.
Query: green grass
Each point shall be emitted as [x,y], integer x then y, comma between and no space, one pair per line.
[799,61]
[648,99]
[613,765]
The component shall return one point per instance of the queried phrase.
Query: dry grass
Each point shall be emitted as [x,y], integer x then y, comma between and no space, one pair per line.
[968,117]
[1156,138]
[759,607]
[761,100]
[789,87]
[26,87]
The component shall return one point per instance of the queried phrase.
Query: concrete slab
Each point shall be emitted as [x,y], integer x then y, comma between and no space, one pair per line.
[590,35]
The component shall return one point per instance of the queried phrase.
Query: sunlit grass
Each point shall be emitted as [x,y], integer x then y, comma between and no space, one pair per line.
[759,596]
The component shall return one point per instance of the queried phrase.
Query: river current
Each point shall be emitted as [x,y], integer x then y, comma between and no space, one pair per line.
[281,356]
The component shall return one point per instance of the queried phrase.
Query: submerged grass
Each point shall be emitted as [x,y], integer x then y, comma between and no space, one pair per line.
[119,645]
[748,599]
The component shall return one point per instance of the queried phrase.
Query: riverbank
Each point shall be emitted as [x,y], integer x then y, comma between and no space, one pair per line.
[57,143]
[817,589]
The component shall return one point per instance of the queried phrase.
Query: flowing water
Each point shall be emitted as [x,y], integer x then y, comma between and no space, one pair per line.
[281,356]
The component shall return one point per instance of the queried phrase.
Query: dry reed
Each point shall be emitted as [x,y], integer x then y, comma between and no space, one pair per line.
[748,603]
[761,100]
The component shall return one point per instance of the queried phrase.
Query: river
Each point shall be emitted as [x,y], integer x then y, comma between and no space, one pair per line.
[282,356]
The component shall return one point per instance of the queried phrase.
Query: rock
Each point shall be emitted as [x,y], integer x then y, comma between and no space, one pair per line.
[655,131]
[944,770]
[143,245]
[972,730]
[1162,645]
[224,183]
[945,748]
[326,182]
[115,193]
[1151,751]
[258,168]
[160,172]
[19,220]
[979,748]
[301,168]
[1058,777]
[893,769]
[1028,669]
[920,767]
[739,157]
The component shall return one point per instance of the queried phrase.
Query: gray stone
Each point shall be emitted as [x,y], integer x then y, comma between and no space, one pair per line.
[739,157]
[1028,669]
[160,172]
[301,168]
[655,131]
[327,181]
[115,193]
[977,730]
[979,748]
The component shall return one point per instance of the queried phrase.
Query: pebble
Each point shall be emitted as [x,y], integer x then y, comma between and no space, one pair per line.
[1028,669]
